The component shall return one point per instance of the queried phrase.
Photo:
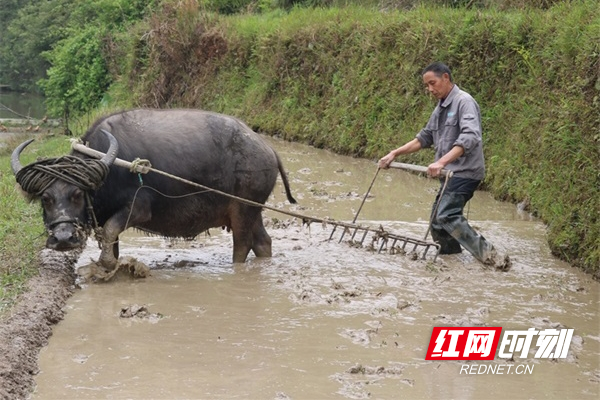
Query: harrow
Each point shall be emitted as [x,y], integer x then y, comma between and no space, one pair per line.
[382,239]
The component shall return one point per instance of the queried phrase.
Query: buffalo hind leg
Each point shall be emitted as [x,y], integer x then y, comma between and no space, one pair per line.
[243,225]
[261,245]
[242,243]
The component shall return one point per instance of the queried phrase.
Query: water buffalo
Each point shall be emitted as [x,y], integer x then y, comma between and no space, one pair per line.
[211,149]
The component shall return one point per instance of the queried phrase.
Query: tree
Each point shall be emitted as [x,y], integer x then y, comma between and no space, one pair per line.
[78,76]
[34,28]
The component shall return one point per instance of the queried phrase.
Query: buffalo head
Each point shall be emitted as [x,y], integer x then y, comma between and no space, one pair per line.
[63,185]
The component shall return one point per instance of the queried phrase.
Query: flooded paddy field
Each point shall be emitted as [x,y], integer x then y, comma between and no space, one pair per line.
[322,319]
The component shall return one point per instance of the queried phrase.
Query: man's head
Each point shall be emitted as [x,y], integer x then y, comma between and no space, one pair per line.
[437,77]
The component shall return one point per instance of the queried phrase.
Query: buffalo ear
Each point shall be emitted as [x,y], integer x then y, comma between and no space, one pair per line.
[29,197]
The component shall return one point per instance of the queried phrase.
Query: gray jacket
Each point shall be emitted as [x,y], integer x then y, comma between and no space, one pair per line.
[456,121]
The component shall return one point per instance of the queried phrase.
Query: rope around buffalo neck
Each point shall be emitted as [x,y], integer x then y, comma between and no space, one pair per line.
[87,174]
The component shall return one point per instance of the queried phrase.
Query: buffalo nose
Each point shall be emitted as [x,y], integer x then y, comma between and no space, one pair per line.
[63,237]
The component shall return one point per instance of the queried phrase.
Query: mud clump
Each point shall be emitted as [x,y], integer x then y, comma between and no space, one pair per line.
[367,370]
[357,380]
[29,325]
[94,271]
[134,311]
[139,312]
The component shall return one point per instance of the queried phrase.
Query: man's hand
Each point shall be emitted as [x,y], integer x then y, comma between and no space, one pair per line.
[435,169]
[385,162]
[410,147]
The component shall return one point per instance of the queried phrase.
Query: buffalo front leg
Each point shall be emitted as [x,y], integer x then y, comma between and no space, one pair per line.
[109,244]
[113,228]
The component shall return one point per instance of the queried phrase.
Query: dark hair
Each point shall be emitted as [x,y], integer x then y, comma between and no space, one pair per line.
[438,69]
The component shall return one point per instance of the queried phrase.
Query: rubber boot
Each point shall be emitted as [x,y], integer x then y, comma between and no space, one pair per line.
[448,245]
[450,218]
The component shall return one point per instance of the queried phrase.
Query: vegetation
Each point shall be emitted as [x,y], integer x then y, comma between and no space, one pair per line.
[348,79]
[21,228]
[66,44]
[20,238]
[29,28]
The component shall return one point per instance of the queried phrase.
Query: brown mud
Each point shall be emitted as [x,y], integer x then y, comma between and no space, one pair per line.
[320,319]
[29,325]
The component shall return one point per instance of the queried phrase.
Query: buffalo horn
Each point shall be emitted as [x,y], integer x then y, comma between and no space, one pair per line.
[111,153]
[14,160]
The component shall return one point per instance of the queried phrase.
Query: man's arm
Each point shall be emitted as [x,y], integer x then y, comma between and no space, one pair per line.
[410,147]
[435,168]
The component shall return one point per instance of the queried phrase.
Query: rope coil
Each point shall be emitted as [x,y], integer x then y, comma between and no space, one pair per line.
[86,174]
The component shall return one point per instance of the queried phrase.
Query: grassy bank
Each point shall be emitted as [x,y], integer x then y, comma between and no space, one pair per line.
[21,229]
[349,80]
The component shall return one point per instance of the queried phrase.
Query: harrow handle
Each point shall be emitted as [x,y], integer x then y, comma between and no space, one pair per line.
[118,162]
[419,168]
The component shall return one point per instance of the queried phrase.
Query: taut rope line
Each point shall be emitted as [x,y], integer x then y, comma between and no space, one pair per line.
[14,112]
[143,167]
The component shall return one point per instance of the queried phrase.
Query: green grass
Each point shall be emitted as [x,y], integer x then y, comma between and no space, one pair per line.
[348,79]
[22,232]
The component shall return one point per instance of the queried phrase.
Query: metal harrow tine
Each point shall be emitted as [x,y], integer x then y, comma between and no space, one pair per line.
[364,236]
[333,231]
[382,237]
[343,233]
[354,234]
[383,242]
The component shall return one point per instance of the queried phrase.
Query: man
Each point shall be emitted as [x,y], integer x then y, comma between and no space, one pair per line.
[454,130]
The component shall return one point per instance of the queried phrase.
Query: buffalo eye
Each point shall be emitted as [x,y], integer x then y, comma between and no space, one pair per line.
[77,196]
[47,200]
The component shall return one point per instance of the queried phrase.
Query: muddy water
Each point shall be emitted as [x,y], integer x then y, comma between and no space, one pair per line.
[322,320]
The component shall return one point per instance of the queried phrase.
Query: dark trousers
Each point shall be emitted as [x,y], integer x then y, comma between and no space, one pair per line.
[450,229]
